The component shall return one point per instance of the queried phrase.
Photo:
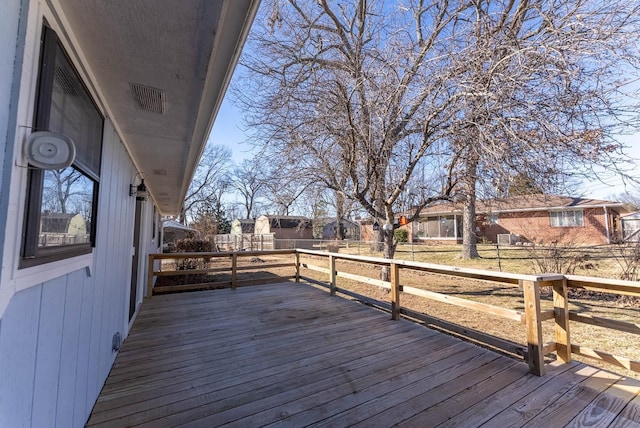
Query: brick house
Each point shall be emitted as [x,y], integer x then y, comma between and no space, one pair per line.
[530,218]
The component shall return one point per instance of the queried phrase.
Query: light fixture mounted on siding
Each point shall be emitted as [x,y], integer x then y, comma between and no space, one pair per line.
[140,191]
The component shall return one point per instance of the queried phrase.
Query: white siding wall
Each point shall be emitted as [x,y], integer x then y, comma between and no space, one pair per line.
[57,320]
[55,337]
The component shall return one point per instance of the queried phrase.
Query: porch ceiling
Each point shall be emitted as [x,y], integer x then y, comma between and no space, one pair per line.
[177,56]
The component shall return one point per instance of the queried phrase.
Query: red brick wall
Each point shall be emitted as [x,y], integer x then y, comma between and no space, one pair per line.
[536,227]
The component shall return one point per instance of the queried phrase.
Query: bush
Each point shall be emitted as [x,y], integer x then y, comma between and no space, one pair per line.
[402,235]
[554,258]
[333,246]
[193,246]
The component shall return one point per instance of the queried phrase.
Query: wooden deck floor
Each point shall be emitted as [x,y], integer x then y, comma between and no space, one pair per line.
[291,355]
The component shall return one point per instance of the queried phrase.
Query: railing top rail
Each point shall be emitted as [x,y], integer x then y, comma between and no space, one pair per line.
[220,254]
[604,281]
[507,277]
[618,286]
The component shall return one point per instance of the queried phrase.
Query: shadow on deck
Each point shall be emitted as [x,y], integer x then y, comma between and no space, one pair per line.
[291,355]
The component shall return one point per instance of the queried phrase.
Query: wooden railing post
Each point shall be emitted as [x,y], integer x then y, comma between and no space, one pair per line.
[297,266]
[332,275]
[561,312]
[150,269]
[535,356]
[395,291]
[234,270]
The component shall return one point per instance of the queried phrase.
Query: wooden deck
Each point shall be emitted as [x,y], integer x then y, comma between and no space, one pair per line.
[291,355]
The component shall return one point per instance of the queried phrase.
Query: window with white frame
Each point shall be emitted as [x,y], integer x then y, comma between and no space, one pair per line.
[439,227]
[61,204]
[567,218]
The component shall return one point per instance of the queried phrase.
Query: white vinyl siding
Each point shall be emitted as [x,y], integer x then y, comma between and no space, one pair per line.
[55,340]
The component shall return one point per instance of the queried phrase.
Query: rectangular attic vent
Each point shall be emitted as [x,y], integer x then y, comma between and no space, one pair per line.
[149,99]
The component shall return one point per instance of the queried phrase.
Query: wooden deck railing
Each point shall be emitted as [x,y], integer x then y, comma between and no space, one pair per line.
[531,318]
[199,264]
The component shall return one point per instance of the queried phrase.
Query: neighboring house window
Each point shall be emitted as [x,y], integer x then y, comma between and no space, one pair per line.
[492,218]
[439,227]
[567,218]
[61,204]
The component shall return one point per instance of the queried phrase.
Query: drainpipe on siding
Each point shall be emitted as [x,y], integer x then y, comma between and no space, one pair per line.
[606,224]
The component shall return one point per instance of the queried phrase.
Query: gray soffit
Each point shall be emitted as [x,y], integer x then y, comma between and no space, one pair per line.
[162,68]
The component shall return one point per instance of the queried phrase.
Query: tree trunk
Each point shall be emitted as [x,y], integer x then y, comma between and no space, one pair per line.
[339,215]
[390,245]
[469,236]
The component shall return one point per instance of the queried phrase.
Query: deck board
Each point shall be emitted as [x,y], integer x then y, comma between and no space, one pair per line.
[291,355]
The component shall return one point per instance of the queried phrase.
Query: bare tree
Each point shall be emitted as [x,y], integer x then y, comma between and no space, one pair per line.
[284,186]
[542,85]
[358,94]
[67,191]
[210,182]
[631,197]
[248,180]
[373,97]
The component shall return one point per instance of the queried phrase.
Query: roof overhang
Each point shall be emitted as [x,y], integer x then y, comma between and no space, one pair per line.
[172,224]
[162,69]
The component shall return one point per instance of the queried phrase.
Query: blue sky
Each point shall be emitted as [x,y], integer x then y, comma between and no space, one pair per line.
[227,130]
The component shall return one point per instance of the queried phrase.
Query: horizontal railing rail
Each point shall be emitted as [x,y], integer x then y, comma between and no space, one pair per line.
[531,317]
[609,286]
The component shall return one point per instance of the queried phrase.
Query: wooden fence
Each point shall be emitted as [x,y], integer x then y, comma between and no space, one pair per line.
[530,319]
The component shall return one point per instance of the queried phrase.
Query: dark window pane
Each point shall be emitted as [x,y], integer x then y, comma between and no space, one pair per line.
[433,229]
[61,205]
[74,114]
[447,229]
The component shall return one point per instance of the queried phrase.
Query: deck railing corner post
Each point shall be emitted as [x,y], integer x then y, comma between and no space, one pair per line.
[395,291]
[234,270]
[297,256]
[535,359]
[332,275]
[561,315]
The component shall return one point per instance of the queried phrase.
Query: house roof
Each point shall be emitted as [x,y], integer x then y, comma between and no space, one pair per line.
[631,216]
[527,203]
[245,220]
[332,221]
[161,72]
[172,224]
[286,222]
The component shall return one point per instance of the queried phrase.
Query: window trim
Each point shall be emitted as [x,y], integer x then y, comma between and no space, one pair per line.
[457,230]
[560,215]
[30,254]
